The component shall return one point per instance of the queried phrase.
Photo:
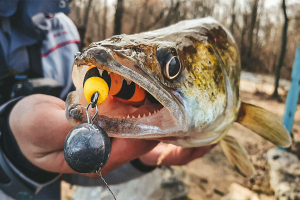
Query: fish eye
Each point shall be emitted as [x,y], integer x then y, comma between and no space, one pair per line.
[169,61]
[172,68]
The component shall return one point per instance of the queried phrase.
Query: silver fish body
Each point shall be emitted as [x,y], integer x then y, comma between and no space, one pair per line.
[199,106]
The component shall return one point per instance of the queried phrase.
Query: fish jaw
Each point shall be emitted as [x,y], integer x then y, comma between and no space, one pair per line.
[170,120]
[196,106]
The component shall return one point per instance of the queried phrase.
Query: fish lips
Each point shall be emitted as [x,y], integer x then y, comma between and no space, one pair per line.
[103,57]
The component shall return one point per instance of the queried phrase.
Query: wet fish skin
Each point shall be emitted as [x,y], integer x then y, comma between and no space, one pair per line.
[198,96]
[200,105]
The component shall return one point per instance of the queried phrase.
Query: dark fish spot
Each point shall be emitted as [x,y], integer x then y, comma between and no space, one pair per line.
[116,39]
[137,49]
[194,40]
[276,157]
[189,50]
[218,37]
[210,50]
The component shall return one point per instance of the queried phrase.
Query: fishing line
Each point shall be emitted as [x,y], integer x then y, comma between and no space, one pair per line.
[82,135]
[93,104]
[99,173]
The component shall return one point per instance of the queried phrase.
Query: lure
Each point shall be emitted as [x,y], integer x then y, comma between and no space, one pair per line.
[93,83]
[87,146]
[113,85]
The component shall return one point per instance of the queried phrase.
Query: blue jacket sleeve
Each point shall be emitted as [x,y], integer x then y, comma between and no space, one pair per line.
[8,8]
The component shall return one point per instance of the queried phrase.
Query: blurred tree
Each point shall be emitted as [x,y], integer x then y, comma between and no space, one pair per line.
[232,16]
[252,26]
[85,22]
[104,19]
[155,22]
[135,19]
[283,49]
[118,18]
[244,31]
[236,15]
[145,9]
[173,12]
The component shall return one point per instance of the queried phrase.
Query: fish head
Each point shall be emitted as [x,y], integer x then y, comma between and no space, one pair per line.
[179,66]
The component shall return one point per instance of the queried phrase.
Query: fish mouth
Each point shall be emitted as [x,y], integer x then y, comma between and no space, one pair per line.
[159,114]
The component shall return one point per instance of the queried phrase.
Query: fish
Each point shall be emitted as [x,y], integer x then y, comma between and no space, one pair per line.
[190,74]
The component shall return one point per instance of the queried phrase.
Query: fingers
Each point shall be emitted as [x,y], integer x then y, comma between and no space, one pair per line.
[125,150]
[175,155]
[186,155]
[201,151]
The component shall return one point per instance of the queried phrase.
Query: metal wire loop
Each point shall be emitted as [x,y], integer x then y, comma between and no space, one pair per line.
[93,103]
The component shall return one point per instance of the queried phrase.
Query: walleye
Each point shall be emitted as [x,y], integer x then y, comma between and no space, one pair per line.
[190,74]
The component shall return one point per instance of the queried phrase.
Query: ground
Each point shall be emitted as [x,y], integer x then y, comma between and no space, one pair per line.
[211,177]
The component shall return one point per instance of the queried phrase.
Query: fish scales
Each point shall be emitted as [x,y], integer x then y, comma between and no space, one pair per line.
[192,69]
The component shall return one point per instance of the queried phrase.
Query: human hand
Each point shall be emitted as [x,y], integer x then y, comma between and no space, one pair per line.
[174,155]
[40,127]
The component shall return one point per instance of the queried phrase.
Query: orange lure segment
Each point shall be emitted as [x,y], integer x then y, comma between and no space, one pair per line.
[118,86]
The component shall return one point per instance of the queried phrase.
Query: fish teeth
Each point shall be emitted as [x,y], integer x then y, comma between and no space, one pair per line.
[144,115]
[108,73]
[128,82]
[139,116]
[128,116]
[133,117]
[154,112]
[149,113]
[100,71]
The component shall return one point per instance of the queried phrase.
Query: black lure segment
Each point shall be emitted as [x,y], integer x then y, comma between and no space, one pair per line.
[87,148]
[92,72]
[127,91]
[151,98]
[107,78]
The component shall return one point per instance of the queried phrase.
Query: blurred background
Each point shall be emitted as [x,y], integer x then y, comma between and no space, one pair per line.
[257,25]
[267,33]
